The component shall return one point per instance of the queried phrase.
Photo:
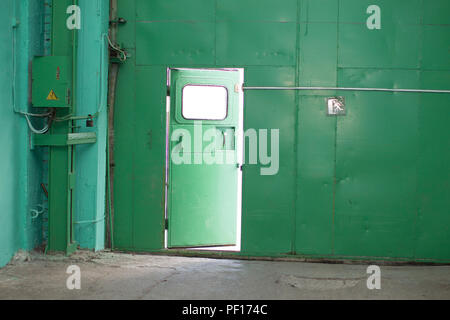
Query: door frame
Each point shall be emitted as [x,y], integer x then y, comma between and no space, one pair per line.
[239,154]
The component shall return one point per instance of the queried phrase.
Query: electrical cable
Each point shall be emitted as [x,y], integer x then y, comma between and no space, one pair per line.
[41,115]
[34,130]
[69,117]
[123,53]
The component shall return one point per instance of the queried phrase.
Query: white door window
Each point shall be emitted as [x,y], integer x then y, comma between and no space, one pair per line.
[204,102]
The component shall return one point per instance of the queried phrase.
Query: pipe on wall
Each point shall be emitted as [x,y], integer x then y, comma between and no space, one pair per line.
[347,89]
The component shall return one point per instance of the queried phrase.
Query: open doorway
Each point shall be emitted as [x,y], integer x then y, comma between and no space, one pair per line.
[204,156]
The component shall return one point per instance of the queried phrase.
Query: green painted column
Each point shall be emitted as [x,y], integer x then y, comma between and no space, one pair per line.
[61,162]
[77,174]
[92,81]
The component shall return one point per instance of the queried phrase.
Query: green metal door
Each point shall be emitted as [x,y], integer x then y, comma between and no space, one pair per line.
[203,166]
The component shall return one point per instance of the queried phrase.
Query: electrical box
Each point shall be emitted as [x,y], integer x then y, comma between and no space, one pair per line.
[52,82]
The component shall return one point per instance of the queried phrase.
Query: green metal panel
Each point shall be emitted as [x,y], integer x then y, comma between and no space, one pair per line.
[61,160]
[373,183]
[268,226]
[382,49]
[149,151]
[316,172]
[318,11]
[389,47]
[432,236]
[316,132]
[202,200]
[124,154]
[317,60]
[244,43]
[436,48]
[179,43]
[392,12]
[261,10]
[160,10]
[52,77]
[376,143]
[436,12]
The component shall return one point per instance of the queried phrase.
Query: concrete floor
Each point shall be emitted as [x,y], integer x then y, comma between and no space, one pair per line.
[108,275]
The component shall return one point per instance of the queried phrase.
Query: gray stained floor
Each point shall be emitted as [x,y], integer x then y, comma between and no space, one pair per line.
[107,275]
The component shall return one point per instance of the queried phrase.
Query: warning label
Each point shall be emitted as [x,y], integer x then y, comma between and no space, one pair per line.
[52,96]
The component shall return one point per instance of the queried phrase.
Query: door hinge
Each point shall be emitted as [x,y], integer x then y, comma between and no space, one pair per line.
[166,224]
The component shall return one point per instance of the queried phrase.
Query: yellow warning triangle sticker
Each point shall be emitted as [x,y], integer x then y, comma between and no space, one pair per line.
[52,96]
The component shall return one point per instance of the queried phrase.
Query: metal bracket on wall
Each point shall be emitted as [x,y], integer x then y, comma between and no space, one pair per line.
[64,139]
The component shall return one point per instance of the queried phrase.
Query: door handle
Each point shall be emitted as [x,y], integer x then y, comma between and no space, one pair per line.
[228,136]
[178,144]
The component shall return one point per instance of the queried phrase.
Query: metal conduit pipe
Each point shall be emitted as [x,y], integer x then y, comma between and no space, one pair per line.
[112,83]
[346,89]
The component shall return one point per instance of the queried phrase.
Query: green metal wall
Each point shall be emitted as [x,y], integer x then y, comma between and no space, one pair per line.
[9,239]
[373,183]
[22,170]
